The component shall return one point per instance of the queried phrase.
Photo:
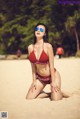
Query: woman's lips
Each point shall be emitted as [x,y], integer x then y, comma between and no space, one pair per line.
[38,33]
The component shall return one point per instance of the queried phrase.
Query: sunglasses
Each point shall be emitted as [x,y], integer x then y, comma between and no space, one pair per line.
[40,29]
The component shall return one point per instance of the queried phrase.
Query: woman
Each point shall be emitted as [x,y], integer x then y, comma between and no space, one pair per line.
[42,61]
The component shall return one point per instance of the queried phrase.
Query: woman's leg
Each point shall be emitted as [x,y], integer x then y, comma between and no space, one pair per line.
[35,91]
[56,93]
[44,95]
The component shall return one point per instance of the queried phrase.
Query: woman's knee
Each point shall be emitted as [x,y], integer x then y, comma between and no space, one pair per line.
[56,96]
[29,98]
[31,94]
[56,93]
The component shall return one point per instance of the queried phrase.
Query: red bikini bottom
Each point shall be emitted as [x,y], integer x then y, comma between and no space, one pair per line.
[44,79]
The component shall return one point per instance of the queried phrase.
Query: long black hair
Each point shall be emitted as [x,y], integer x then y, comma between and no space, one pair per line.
[45,38]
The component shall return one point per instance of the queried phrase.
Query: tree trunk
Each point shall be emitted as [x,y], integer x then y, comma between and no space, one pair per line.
[77,40]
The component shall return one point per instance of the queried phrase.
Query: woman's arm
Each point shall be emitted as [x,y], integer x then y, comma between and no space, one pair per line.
[33,72]
[51,61]
[30,48]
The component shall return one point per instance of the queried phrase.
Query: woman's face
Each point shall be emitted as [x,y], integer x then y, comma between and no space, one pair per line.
[40,31]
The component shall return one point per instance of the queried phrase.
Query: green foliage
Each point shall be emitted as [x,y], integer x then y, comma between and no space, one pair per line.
[72,20]
[2,49]
[18,18]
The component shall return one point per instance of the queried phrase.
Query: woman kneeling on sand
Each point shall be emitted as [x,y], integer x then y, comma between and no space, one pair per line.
[41,57]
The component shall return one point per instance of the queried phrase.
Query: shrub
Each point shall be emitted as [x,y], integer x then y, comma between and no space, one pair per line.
[78,53]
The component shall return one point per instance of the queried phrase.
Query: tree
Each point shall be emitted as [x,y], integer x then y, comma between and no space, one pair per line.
[70,26]
[23,15]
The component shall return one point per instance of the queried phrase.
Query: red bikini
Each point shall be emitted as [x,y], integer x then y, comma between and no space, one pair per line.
[42,60]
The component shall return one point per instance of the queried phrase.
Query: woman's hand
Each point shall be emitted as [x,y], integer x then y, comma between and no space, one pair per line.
[33,86]
[54,87]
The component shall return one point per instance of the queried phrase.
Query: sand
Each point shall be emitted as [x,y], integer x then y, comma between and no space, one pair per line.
[15,79]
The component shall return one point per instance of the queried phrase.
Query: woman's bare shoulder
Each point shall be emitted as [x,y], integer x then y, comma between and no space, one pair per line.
[30,46]
[48,45]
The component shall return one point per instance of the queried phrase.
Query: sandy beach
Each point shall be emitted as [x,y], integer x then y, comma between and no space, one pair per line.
[15,80]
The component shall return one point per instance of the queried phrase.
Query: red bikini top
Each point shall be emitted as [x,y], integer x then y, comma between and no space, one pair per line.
[42,60]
